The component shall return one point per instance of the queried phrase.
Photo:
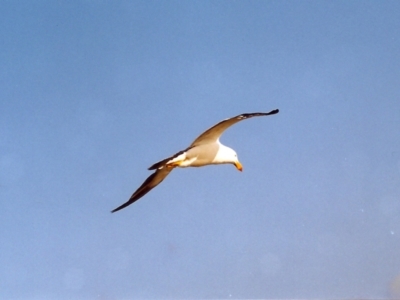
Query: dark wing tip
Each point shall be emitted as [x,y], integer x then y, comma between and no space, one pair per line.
[273,112]
[140,192]
[117,209]
[257,114]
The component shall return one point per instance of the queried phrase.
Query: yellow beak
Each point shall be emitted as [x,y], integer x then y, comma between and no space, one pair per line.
[238,166]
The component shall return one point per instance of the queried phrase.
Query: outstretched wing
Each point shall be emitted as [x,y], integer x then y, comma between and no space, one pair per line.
[151,182]
[213,134]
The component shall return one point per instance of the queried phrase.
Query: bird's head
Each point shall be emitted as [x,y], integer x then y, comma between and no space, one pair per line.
[227,155]
[238,165]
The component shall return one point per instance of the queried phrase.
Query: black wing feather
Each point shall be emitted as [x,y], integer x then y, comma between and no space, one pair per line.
[151,182]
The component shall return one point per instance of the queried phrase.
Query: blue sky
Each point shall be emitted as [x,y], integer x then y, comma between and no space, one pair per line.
[94,92]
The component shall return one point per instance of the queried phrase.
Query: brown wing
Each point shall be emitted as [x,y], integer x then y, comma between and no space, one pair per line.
[151,182]
[213,134]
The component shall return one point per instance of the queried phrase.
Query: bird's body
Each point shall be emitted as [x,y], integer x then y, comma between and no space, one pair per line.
[205,150]
[194,156]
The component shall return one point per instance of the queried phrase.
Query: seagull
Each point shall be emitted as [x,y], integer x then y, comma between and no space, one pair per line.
[205,150]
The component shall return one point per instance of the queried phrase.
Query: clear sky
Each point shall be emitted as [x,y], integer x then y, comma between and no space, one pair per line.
[94,92]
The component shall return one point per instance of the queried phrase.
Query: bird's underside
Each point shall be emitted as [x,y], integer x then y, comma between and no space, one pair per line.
[205,150]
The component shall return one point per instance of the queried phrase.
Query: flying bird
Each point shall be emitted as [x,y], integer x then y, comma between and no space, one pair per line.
[205,150]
